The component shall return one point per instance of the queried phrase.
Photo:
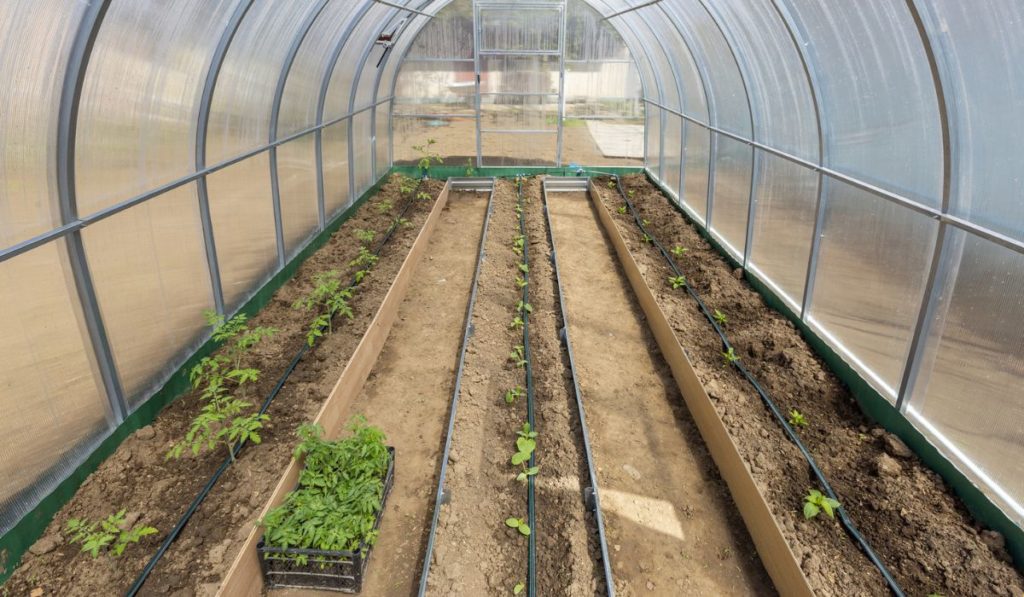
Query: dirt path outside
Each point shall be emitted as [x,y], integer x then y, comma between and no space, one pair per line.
[671,524]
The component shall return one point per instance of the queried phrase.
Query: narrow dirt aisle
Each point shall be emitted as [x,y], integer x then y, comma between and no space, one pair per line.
[671,523]
[409,391]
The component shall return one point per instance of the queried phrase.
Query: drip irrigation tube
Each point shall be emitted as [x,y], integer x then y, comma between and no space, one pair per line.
[440,497]
[844,518]
[593,500]
[205,491]
[531,490]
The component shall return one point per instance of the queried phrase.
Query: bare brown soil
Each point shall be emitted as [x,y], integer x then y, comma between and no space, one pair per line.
[671,524]
[157,492]
[920,529]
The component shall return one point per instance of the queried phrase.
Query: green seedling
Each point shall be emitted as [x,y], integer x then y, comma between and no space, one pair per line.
[327,299]
[526,432]
[514,394]
[730,356]
[518,588]
[517,356]
[816,502]
[519,524]
[524,307]
[527,472]
[401,222]
[679,251]
[470,170]
[517,244]
[646,223]
[630,193]
[384,206]
[622,210]
[611,184]
[677,281]
[428,156]
[648,238]
[365,259]
[406,185]
[423,196]
[517,323]
[797,419]
[524,268]
[365,236]
[109,535]
[520,283]
[720,318]
[360,275]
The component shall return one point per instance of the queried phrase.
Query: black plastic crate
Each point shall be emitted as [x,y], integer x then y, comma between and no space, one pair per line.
[341,571]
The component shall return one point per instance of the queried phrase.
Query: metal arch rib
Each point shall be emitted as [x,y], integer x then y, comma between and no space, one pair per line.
[67,122]
[202,129]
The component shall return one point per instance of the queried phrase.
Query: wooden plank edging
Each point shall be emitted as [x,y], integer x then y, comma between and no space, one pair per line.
[776,555]
[244,577]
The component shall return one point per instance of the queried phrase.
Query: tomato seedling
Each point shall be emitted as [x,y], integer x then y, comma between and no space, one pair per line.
[816,502]
[364,260]
[384,206]
[365,236]
[677,281]
[517,323]
[648,238]
[327,299]
[797,419]
[423,196]
[730,356]
[679,251]
[107,535]
[427,156]
[622,210]
[720,318]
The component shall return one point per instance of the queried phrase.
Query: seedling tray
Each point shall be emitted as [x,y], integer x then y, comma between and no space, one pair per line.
[341,571]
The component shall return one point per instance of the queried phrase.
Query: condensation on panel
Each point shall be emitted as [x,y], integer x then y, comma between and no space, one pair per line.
[519,149]
[296,176]
[363,154]
[448,35]
[872,269]
[983,46]
[306,77]
[519,112]
[879,105]
[519,74]
[589,37]
[455,138]
[240,111]
[671,151]
[242,211]
[786,198]
[335,152]
[436,87]
[152,281]
[972,367]
[383,139]
[653,138]
[35,38]
[731,201]
[140,98]
[695,169]
[52,399]
[342,90]
[784,115]
[519,29]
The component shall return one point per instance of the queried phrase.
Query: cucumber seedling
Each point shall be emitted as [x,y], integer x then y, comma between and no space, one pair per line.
[517,356]
[524,307]
[327,299]
[517,323]
[519,524]
[622,210]
[514,394]
[630,193]
[797,419]
[816,502]
[517,244]
[108,535]
[720,318]
[611,184]
[677,281]
[520,283]
[520,586]
[729,357]
[648,238]
[524,268]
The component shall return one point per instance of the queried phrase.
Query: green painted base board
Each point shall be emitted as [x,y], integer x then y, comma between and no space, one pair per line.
[878,408]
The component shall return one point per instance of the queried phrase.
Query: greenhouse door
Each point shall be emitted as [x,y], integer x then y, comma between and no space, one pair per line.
[520,82]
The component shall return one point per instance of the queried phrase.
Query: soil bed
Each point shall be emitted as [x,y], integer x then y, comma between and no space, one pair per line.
[137,477]
[911,519]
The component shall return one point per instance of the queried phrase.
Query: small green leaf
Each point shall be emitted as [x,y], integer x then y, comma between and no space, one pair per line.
[524,529]
[810,510]
[512,522]
[518,588]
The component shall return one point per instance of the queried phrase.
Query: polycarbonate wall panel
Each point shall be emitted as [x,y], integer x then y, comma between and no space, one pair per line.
[242,211]
[240,111]
[382,138]
[449,34]
[972,367]
[296,176]
[671,150]
[363,154]
[731,201]
[784,216]
[509,149]
[871,274]
[305,79]
[341,89]
[653,137]
[983,45]
[436,87]
[152,284]
[695,169]
[589,36]
[519,112]
[335,150]
[455,138]
[519,29]
[52,400]
[35,38]
[877,94]
[519,74]
[140,98]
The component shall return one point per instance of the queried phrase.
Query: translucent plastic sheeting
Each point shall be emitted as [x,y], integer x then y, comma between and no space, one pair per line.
[306,77]
[342,89]
[731,201]
[152,284]
[870,278]
[363,165]
[589,37]
[519,149]
[671,150]
[242,211]
[519,29]
[783,225]
[296,176]
[877,94]
[382,139]
[972,368]
[448,35]
[519,74]
[695,170]
[653,135]
[240,111]
[52,400]
[34,42]
[455,138]
[335,152]
[436,87]
[983,46]
[140,98]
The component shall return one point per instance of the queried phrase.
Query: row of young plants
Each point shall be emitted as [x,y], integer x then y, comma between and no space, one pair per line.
[228,417]
[816,501]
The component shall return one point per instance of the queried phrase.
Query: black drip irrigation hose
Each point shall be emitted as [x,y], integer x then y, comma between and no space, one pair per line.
[593,500]
[205,491]
[440,497]
[847,523]
[531,491]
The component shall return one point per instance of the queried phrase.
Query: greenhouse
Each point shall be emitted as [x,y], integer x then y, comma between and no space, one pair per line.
[525,297]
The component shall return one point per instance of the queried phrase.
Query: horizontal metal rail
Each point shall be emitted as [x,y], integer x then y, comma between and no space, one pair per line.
[82,222]
[406,8]
[902,200]
[591,495]
[630,9]
[440,496]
